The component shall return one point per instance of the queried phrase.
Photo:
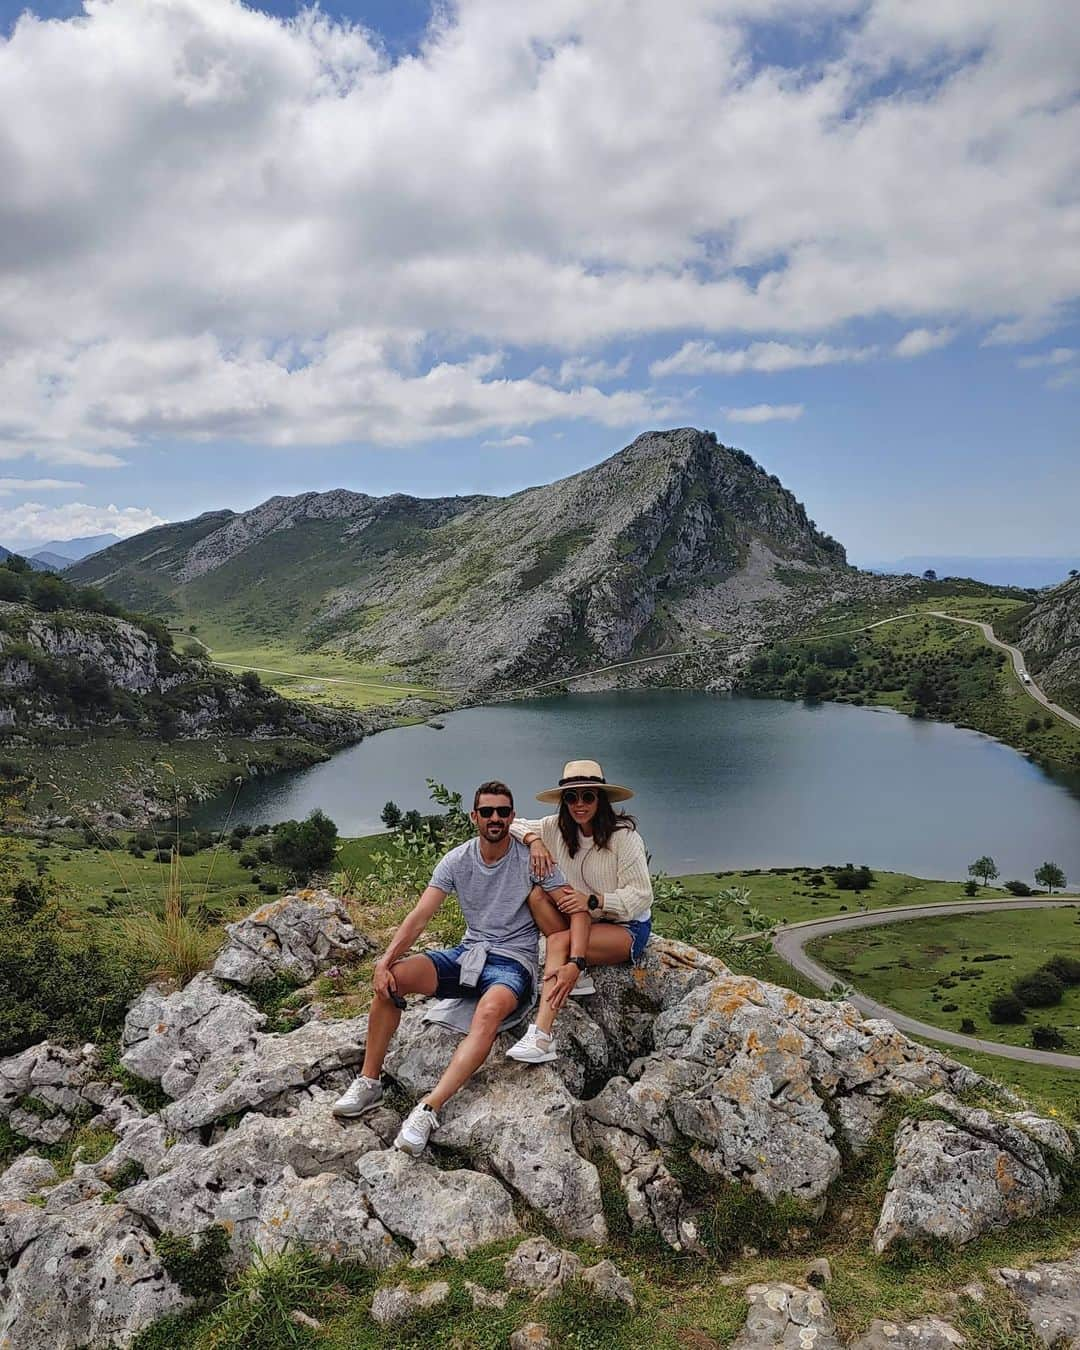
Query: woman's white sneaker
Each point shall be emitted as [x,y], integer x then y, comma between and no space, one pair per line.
[416,1130]
[363,1094]
[535,1047]
[584,986]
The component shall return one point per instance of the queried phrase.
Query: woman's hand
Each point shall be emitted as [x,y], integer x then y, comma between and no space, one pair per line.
[570,901]
[540,859]
[563,980]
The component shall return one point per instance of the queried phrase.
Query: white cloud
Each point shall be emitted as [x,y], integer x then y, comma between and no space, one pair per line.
[510,442]
[1064,380]
[704,358]
[583,370]
[765,412]
[256,200]
[919,341]
[8,486]
[35,523]
[1060,356]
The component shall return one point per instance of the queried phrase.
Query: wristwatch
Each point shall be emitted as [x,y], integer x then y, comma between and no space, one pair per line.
[578,961]
[594,902]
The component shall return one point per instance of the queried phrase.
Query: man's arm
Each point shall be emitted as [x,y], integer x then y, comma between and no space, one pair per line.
[408,931]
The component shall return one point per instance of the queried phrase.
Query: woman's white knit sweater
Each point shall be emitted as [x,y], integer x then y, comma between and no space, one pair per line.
[619,873]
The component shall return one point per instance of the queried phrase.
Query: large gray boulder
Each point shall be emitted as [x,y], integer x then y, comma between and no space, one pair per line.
[926,1333]
[442,1213]
[297,936]
[1050,1295]
[89,1277]
[958,1178]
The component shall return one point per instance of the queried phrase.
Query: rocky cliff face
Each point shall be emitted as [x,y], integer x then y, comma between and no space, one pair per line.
[1050,641]
[673,540]
[679,1070]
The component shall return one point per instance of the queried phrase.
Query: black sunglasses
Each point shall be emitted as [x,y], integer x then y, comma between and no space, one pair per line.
[503,812]
[588,796]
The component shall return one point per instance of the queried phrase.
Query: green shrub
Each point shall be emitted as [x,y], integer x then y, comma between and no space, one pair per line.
[1018,888]
[1040,989]
[1005,1009]
[1047,1038]
[305,846]
[967,1026]
[197,1264]
[1064,968]
[971,887]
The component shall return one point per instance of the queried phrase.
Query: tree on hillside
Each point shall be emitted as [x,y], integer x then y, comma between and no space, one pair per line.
[984,868]
[305,846]
[929,575]
[1050,875]
[391,815]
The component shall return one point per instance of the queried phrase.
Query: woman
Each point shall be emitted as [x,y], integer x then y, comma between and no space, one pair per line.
[603,918]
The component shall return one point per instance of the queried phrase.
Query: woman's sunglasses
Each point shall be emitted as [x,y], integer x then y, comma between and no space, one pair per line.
[586,797]
[486,812]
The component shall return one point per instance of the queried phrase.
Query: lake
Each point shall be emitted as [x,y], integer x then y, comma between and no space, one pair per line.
[721,781]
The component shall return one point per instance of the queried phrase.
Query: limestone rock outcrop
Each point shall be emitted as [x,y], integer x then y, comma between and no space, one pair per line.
[759,1087]
[1050,1295]
[297,936]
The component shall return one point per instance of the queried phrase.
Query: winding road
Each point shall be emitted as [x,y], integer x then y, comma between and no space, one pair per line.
[790,940]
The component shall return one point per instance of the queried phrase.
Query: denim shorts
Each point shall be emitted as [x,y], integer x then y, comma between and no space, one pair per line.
[639,930]
[497,970]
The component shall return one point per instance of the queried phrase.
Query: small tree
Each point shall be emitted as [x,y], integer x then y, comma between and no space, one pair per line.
[305,846]
[391,815]
[1040,989]
[971,886]
[1050,875]
[929,575]
[1005,1008]
[984,868]
[1047,1038]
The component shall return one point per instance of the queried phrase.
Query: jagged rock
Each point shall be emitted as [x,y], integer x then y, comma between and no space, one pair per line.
[25,1176]
[955,1179]
[782,1315]
[168,1036]
[66,1082]
[89,1277]
[531,1336]
[928,1333]
[486,1298]
[396,1304]
[654,1199]
[262,1184]
[296,936]
[819,1273]
[264,1068]
[538,1266]
[518,1120]
[74,1191]
[143,1141]
[1050,1294]
[440,1213]
[607,1282]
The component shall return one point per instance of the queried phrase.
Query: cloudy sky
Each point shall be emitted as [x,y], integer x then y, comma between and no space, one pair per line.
[247,250]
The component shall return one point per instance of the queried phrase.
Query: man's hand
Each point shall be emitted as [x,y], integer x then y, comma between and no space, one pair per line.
[562,981]
[383,980]
[569,901]
[541,861]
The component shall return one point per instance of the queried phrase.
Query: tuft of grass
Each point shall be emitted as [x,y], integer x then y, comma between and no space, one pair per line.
[177,945]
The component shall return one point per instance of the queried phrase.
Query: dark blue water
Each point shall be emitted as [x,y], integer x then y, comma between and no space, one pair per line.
[722,781]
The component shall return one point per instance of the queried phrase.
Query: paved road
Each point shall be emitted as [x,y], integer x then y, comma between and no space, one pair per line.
[1018,665]
[790,940]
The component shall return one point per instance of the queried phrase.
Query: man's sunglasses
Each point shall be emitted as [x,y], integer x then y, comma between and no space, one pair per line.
[486,812]
[587,797]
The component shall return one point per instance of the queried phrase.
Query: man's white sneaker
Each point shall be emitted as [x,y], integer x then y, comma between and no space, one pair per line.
[584,986]
[362,1094]
[416,1130]
[535,1047]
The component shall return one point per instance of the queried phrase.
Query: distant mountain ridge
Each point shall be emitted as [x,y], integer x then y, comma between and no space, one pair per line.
[674,540]
[1002,571]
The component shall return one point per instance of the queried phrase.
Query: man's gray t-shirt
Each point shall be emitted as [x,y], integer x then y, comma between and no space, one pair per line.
[494,899]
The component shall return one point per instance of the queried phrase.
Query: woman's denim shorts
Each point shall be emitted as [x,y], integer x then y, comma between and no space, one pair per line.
[497,970]
[639,932]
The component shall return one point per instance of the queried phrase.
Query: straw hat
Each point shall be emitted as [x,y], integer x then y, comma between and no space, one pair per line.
[584,773]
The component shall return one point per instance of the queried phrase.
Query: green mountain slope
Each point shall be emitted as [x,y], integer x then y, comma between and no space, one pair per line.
[674,539]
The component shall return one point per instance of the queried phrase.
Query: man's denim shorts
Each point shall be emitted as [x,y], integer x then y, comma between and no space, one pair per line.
[639,932]
[497,970]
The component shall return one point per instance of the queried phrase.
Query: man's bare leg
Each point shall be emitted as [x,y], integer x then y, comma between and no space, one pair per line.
[492,1009]
[413,975]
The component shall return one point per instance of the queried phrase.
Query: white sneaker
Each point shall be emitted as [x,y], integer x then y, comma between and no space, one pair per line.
[584,986]
[416,1130]
[362,1095]
[535,1047]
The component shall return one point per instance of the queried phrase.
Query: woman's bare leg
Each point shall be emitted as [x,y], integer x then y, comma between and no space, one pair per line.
[548,919]
[608,944]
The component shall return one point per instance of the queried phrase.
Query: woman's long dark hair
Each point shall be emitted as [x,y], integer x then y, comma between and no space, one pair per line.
[604,823]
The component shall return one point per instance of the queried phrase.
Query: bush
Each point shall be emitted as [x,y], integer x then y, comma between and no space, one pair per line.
[853,878]
[1040,989]
[1018,888]
[967,1026]
[1064,968]
[1005,1009]
[971,887]
[307,846]
[248,860]
[950,1007]
[1047,1038]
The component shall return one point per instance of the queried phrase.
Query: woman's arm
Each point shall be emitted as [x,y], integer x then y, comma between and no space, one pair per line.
[531,832]
[632,895]
[524,829]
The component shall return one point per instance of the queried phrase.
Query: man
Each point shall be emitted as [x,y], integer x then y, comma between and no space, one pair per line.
[496,962]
